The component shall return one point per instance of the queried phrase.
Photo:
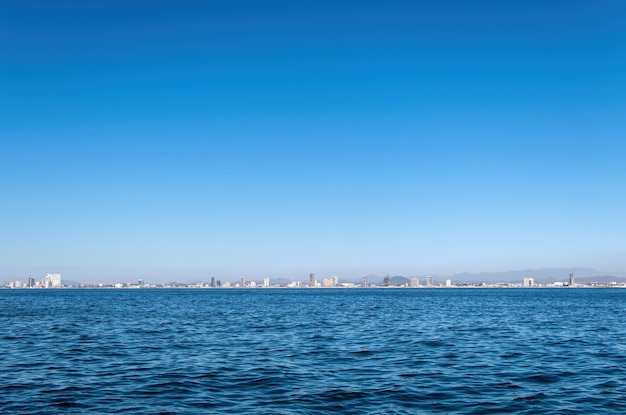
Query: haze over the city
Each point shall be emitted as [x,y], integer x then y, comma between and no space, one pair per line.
[183,140]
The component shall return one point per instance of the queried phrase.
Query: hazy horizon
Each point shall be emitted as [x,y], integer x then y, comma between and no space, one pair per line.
[162,276]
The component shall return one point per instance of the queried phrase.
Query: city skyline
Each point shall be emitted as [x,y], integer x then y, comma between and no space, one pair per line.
[340,138]
[546,275]
[54,281]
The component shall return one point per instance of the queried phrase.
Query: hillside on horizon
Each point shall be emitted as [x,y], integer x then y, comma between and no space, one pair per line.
[542,275]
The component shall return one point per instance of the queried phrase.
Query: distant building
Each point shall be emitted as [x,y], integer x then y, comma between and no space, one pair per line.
[266,282]
[529,282]
[213,282]
[571,280]
[387,281]
[52,281]
[327,282]
[311,280]
[31,282]
[242,281]
[365,283]
[415,282]
[448,283]
[429,280]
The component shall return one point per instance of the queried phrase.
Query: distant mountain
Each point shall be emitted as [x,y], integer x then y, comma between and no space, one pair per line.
[398,280]
[279,281]
[543,275]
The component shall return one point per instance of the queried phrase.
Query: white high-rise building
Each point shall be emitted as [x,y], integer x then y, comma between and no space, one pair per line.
[448,283]
[529,282]
[429,280]
[52,281]
[415,282]
[266,282]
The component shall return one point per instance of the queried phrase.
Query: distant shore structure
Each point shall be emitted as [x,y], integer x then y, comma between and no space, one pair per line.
[49,281]
[53,280]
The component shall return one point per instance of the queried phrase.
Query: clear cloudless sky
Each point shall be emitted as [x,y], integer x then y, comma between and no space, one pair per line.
[178,140]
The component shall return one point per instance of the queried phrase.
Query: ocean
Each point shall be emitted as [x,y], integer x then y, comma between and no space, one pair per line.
[313,351]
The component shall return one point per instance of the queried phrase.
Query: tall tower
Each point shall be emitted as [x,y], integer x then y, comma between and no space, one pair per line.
[571,280]
[365,284]
[242,281]
[429,280]
[311,280]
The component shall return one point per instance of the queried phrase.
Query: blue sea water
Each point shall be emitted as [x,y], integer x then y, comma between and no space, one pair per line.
[322,351]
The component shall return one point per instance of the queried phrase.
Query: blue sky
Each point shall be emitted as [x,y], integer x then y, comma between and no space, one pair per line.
[182,140]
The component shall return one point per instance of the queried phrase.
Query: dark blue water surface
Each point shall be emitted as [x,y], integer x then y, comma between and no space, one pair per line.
[282,351]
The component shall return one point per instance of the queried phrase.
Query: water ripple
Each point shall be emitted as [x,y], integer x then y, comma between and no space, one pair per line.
[303,351]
